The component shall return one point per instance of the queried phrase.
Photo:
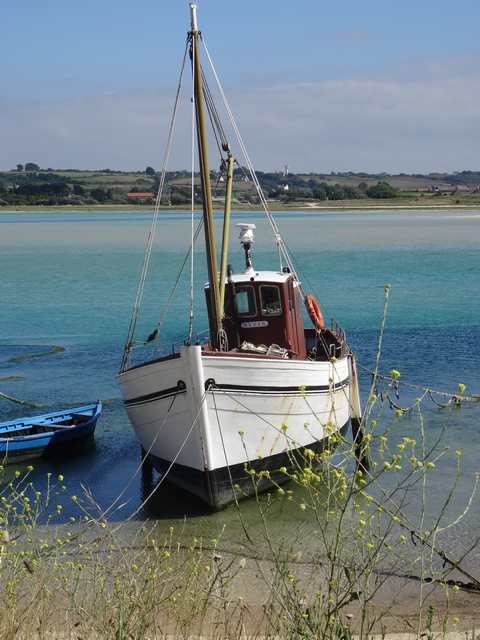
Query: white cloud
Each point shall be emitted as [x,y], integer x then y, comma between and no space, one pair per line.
[423,116]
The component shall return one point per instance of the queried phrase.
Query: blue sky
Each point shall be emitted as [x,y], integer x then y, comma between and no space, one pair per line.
[324,86]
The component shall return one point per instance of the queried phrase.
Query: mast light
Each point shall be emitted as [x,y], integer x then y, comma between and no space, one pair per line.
[247,238]
[246,233]
[193,15]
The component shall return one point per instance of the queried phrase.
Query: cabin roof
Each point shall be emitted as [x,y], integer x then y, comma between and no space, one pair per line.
[258,276]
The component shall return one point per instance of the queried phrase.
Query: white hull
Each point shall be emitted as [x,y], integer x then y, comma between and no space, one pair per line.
[204,417]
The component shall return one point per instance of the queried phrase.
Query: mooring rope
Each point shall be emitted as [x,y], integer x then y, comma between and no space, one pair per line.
[143,460]
[169,468]
[453,397]
[25,403]
[232,486]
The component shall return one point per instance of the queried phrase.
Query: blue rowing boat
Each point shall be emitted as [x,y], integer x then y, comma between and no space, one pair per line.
[35,436]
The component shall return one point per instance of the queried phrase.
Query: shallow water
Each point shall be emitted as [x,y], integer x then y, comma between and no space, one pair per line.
[70,279]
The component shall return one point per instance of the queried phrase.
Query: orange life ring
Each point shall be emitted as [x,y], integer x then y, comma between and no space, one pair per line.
[314,311]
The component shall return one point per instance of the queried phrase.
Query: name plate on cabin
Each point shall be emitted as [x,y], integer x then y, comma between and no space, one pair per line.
[254,324]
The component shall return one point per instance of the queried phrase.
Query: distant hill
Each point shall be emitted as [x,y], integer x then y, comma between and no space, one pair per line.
[53,187]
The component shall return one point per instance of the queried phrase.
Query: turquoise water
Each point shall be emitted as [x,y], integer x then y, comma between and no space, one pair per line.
[70,279]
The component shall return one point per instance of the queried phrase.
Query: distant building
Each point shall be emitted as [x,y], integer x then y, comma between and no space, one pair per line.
[140,194]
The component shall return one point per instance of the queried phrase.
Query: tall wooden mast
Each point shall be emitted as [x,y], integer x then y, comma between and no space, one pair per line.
[210,245]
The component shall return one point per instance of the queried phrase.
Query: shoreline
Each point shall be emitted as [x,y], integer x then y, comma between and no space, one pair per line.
[122,208]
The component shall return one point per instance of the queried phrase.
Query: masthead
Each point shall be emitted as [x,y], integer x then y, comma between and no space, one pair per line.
[193,16]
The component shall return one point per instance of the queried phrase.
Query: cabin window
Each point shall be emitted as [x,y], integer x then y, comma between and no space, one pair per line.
[245,301]
[271,302]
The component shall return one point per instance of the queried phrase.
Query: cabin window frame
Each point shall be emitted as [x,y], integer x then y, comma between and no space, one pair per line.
[276,313]
[249,313]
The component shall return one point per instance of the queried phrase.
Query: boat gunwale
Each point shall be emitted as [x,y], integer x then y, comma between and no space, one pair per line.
[234,355]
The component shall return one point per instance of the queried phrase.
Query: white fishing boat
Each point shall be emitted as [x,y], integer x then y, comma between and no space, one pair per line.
[263,387]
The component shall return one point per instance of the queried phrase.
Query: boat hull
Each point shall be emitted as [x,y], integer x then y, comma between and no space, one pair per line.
[38,436]
[220,487]
[203,419]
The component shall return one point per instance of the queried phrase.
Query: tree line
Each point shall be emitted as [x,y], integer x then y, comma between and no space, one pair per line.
[30,185]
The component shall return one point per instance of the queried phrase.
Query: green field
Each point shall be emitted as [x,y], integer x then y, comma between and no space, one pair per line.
[80,190]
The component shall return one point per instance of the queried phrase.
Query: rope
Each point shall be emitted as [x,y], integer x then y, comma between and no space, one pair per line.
[25,403]
[284,253]
[175,458]
[142,462]
[218,130]
[429,390]
[237,506]
[175,287]
[151,233]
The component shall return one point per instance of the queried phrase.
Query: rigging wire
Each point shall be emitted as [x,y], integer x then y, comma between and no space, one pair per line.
[177,282]
[214,116]
[151,233]
[283,250]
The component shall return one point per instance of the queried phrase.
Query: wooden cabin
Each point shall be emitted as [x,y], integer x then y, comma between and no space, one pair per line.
[264,316]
